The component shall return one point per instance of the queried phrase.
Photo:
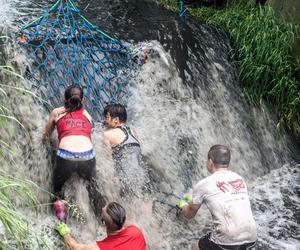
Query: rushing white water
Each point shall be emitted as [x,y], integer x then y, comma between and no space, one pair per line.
[7,12]
[176,124]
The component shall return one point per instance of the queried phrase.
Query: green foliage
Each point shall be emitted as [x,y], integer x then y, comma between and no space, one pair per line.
[18,232]
[7,118]
[261,46]
[16,226]
[14,192]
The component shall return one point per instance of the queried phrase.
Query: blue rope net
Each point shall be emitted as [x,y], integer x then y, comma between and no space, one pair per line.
[65,48]
[182,9]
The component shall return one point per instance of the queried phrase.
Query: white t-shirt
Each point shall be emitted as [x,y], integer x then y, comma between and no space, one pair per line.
[226,196]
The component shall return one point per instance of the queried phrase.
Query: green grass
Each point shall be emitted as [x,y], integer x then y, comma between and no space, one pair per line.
[15,194]
[15,224]
[262,48]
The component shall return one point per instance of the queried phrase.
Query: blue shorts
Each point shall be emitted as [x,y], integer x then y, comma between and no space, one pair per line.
[206,244]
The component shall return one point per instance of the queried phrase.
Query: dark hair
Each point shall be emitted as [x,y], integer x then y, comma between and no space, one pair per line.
[116,110]
[220,155]
[73,98]
[117,214]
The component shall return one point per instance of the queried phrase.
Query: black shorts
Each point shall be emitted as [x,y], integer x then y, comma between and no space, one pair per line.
[206,244]
[64,168]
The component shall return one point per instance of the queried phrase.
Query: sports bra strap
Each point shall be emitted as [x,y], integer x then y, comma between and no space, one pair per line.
[130,138]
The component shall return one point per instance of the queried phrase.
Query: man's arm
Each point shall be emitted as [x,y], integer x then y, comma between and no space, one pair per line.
[73,245]
[189,211]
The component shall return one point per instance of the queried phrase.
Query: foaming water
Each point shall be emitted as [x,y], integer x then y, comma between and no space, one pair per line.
[176,132]
[7,11]
[276,199]
[185,99]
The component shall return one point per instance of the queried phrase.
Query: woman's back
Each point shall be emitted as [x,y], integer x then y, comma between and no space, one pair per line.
[74,129]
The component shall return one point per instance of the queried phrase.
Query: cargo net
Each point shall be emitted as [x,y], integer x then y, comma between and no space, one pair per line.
[65,48]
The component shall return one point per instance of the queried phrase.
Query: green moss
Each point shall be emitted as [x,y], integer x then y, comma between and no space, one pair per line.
[262,48]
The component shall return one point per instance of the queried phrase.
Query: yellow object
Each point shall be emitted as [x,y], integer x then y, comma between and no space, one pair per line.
[62,229]
[187,198]
[181,204]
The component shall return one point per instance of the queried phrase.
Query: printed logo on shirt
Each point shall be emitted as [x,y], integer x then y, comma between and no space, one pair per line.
[75,123]
[231,186]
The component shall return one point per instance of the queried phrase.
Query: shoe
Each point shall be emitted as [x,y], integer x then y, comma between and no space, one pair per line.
[60,210]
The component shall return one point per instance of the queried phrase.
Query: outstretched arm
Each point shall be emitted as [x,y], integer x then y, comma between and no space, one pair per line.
[74,245]
[64,231]
[189,211]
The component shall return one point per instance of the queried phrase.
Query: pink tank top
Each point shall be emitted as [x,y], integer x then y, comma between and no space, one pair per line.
[74,123]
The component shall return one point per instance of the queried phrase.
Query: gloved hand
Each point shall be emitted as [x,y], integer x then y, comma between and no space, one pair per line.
[186,199]
[62,229]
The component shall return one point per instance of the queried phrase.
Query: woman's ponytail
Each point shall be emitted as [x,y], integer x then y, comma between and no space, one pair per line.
[73,98]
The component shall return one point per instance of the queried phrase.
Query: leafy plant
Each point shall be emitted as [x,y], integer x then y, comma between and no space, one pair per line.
[14,223]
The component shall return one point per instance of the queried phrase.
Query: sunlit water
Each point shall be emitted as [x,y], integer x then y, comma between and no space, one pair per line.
[185,99]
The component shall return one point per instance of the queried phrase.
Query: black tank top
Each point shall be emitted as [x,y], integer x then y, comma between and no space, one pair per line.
[129,141]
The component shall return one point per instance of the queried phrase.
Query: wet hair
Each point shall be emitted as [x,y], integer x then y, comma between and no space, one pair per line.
[73,98]
[117,214]
[116,110]
[220,155]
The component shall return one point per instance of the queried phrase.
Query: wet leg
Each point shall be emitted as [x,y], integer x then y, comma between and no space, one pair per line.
[62,172]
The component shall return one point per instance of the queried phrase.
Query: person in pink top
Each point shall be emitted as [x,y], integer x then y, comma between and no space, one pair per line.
[120,236]
[226,196]
[75,150]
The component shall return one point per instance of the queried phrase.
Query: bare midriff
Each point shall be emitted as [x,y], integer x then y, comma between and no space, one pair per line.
[76,143]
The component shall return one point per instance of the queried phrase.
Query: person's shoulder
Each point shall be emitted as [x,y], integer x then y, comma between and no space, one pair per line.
[235,174]
[62,108]
[57,111]
[206,179]
[204,182]
[109,135]
[87,114]
[133,227]
[108,132]
[112,131]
